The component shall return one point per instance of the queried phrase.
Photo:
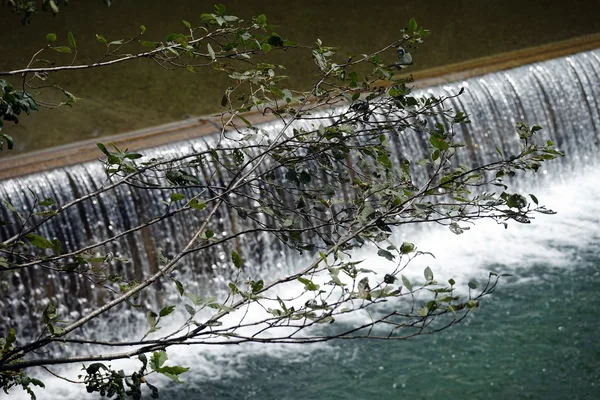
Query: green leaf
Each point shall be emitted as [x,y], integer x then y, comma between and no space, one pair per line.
[222,307]
[151,318]
[535,200]
[103,149]
[473,284]
[211,52]
[51,38]
[190,309]
[439,143]
[407,248]
[412,24]
[39,241]
[112,159]
[516,201]
[248,124]
[472,304]
[56,246]
[187,24]
[142,29]
[10,339]
[384,160]
[50,313]
[179,285]
[70,267]
[9,140]
[101,39]
[275,40]
[287,95]
[62,49]
[37,382]
[364,290]
[143,359]
[304,177]
[158,359]
[220,9]
[257,286]
[47,202]
[71,38]
[261,20]
[166,311]
[53,7]
[407,283]
[175,197]
[197,204]
[237,259]
[385,254]
[94,368]
[55,330]
[308,284]
[457,229]
[174,370]
[428,274]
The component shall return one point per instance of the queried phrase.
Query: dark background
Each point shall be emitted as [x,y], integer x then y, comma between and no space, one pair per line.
[140,94]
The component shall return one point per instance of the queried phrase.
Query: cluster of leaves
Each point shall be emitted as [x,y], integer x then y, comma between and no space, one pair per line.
[28,8]
[10,379]
[108,382]
[12,104]
[325,187]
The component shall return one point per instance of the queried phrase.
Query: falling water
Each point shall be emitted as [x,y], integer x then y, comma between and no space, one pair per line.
[561,95]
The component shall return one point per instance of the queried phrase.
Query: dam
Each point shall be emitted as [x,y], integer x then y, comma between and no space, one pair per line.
[559,94]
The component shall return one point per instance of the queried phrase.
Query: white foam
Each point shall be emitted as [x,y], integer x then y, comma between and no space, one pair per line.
[551,240]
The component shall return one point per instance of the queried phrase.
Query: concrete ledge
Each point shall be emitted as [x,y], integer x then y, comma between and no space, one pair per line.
[80,152]
[504,61]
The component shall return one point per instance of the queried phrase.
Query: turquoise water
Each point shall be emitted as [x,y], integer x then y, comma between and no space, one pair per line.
[531,341]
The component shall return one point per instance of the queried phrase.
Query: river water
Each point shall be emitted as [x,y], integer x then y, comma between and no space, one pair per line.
[535,338]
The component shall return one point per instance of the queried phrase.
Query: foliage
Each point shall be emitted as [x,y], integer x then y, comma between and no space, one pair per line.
[325,190]
[12,103]
[28,8]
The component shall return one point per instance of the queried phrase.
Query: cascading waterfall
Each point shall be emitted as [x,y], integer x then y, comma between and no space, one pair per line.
[562,95]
